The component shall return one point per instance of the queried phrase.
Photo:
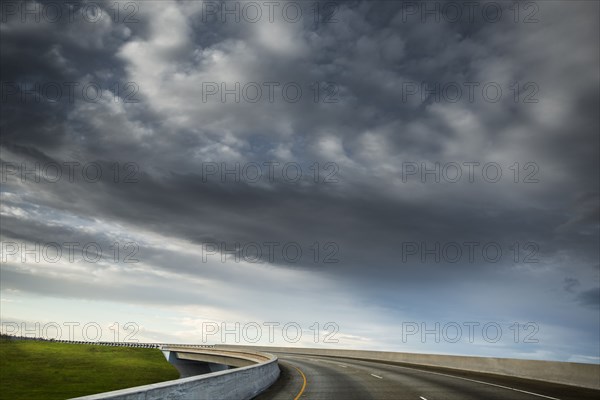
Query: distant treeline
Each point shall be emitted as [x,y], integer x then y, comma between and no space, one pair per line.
[122,344]
[42,339]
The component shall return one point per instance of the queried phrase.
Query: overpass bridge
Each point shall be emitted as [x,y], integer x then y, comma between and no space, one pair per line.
[276,373]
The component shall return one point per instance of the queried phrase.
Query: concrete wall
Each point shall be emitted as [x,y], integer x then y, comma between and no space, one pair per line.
[575,374]
[234,384]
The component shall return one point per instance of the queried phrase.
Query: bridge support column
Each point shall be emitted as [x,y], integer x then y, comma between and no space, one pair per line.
[189,368]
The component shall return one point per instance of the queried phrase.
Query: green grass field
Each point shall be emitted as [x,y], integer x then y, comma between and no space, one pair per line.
[45,370]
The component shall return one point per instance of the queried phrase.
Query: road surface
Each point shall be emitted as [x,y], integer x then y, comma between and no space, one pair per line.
[323,378]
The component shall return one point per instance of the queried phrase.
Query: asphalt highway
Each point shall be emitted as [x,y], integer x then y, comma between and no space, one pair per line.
[323,378]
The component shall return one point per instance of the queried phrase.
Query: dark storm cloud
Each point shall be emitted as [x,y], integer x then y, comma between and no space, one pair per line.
[56,53]
[369,29]
[376,127]
[590,298]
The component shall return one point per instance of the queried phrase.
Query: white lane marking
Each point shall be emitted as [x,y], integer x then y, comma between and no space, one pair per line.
[422,398]
[376,376]
[493,384]
[473,380]
[343,366]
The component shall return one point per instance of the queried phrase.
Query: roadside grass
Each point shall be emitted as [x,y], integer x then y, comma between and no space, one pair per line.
[47,370]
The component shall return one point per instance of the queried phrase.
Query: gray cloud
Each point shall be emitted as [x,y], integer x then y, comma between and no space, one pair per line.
[547,230]
[590,298]
[570,284]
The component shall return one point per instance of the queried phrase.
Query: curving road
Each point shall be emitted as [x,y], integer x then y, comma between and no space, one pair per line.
[322,378]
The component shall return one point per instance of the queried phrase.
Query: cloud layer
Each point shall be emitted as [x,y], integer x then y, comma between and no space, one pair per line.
[389,168]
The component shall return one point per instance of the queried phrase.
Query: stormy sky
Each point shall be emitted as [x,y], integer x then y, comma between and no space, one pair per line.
[407,176]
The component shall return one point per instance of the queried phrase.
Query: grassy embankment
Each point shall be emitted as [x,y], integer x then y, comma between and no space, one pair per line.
[46,370]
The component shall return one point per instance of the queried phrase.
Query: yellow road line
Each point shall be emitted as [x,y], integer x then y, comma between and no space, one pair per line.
[303,384]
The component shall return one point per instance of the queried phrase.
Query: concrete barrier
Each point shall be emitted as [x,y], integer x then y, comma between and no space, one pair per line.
[567,373]
[241,383]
